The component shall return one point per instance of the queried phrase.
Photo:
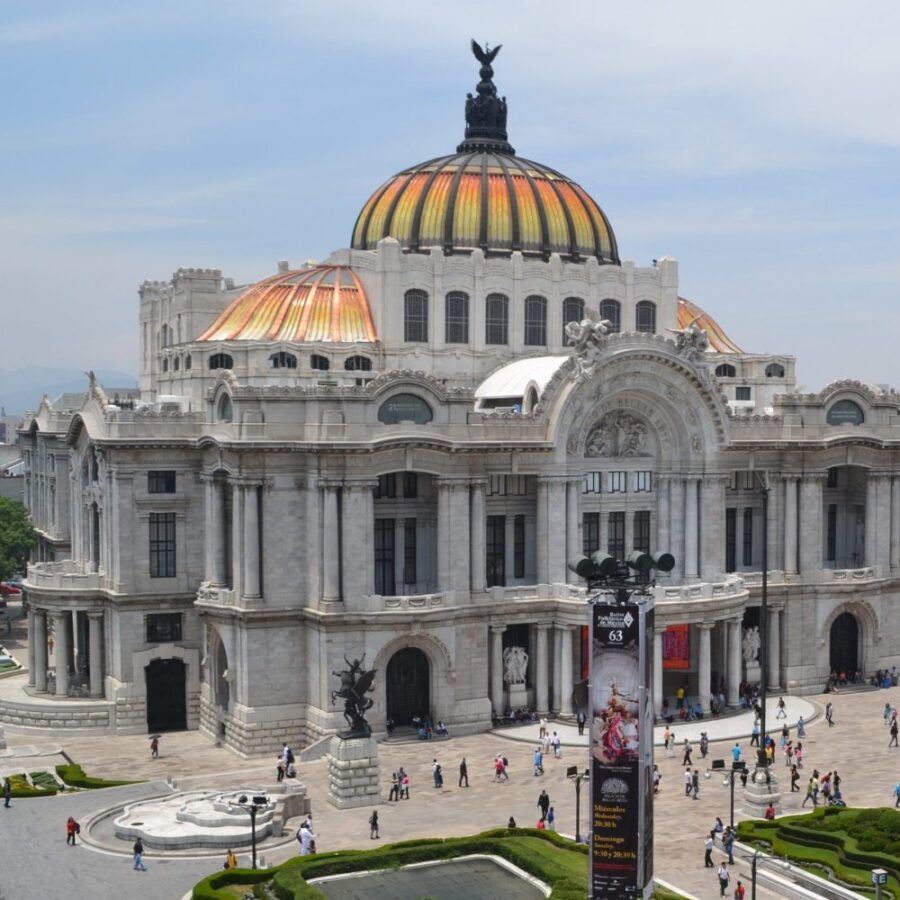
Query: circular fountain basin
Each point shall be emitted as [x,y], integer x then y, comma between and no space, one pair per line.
[195,819]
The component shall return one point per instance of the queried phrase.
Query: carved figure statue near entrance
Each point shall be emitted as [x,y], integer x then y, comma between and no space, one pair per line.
[585,337]
[617,434]
[356,682]
[515,665]
[751,644]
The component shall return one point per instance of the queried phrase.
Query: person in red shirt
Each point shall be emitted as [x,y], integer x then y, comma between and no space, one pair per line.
[739,892]
[770,811]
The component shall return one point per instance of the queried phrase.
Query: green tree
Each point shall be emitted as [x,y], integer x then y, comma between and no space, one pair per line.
[16,537]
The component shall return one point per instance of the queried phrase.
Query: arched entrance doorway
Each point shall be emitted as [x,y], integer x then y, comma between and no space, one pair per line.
[166,695]
[844,644]
[408,686]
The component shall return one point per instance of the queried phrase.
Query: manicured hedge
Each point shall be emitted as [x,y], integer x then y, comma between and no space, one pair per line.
[22,790]
[74,776]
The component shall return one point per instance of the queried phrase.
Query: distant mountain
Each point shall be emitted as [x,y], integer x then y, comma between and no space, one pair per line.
[21,389]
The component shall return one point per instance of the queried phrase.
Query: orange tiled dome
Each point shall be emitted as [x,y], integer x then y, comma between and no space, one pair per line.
[490,199]
[719,341]
[322,303]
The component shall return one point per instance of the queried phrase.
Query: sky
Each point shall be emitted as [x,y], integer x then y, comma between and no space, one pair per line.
[759,144]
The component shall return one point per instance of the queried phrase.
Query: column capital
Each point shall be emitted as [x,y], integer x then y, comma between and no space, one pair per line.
[716,478]
[498,629]
[814,477]
[540,626]
[360,484]
[94,613]
[329,483]
[554,479]
[454,482]
[787,476]
[659,629]
[880,474]
[706,626]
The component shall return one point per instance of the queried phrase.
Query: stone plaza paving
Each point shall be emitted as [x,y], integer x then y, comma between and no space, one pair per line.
[34,830]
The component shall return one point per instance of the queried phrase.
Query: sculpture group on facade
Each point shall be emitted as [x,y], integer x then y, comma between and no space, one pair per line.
[585,337]
[617,434]
[751,644]
[356,682]
[515,665]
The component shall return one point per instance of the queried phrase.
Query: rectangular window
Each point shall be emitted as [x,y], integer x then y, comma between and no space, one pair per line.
[643,482]
[495,560]
[519,547]
[742,392]
[162,545]
[415,316]
[590,533]
[748,537]
[456,319]
[409,551]
[617,483]
[163,628]
[615,544]
[832,477]
[506,486]
[384,557]
[730,539]
[161,482]
[592,483]
[410,485]
[831,545]
[642,531]
[387,487]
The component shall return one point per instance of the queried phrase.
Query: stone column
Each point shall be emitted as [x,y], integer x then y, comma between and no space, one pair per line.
[444,535]
[895,523]
[477,547]
[216,493]
[705,665]
[790,525]
[497,669]
[870,556]
[658,670]
[95,643]
[776,518]
[237,541]
[31,644]
[541,670]
[542,535]
[883,522]
[40,651]
[691,560]
[357,542]
[61,624]
[712,526]
[557,668]
[565,707]
[735,658]
[676,524]
[811,538]
[774,640]
[459,523]
[331,543]
[663,538]
[557,529]
[573,548]
[251,541]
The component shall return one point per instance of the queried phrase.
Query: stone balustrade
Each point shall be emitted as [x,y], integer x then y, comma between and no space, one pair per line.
[214,595]
[66,575]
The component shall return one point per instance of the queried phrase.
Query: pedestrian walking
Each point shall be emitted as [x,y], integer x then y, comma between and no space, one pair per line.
[686,753]
[740,892]
[7,792]
[736,752]
[728,844]
[230,860]
[551,819]
[782,713]
[657,776]
[556,744]
[887,713]
[801,728]
[306,838]
[708,849]
[829,714]
[695,784]
[373,825]
[543,730]
[279,768]
[704,745]
[154,747]
[544,803]
[897,795]
[795,778]
[72,828]
[687,782]
[893,741]
[436,771]
[404,784]
[754,734]
[836,781]
[138,850]
[812,792]
[724,877]
[798,755]
[394,794]
[538,760]
[463,773]
[581,719]
[667,737]
[670,752]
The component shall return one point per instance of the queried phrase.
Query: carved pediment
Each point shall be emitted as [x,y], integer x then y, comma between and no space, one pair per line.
[618,434]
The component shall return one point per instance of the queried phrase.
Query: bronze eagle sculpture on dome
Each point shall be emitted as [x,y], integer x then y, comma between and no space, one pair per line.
[486,56]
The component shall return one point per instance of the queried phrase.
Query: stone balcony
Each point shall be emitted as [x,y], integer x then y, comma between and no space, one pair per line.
[65,575]
[215,595]
[820,576]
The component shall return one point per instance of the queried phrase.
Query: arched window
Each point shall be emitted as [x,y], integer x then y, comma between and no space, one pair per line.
[415,316]
[320,363]
[223,409]
[573,311]
[774,370]
[496,319]
[535,321]
[221,361]
[358,364]
[845,412]
[165,365]
[187,361]
[282,360]
[611,310]
[456,318]
[165,336]
[726,370]
[645,317]
[176,363]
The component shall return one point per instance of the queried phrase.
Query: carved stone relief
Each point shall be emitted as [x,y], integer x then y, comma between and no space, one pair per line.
[618,434]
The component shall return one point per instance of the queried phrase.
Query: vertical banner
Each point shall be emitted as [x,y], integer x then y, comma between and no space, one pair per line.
[621,750]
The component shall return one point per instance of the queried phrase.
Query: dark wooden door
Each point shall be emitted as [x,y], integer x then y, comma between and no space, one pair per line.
[845,644]
[408,686]
[166,695]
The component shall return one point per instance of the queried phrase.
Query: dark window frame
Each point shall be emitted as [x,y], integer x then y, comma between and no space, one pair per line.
[495,551]
[519,546]
[282,360]
[163,628]
[496,319]
[163,541]
[319,363]
[221,361]
[161,481]
[747,552]
[731,539]
[535,334]
[572,311]
[456,318]
[384,541]
[590,532]
[410,550]
[611,310]
[615,536]
[415,316]
[645,317]
[358,364]
[726,370]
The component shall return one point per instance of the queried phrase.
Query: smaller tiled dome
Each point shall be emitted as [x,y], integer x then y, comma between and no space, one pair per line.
[322,303]
[719,341]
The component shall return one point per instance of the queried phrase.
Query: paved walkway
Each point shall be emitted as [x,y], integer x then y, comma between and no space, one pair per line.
[857,746]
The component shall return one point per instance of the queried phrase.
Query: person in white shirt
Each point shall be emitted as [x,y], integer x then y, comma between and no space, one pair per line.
[306,837]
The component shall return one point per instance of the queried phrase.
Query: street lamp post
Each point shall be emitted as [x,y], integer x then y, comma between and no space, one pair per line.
[757,861]
[253,807]
[576,776]
[736,770]
[761,756]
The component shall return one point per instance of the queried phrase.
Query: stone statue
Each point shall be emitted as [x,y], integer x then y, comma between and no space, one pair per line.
[751,644]
[691,339]
[618,434]
[356,682]
[585,336]
[515,664]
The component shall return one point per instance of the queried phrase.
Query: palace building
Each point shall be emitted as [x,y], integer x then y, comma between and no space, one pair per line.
[396,452]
